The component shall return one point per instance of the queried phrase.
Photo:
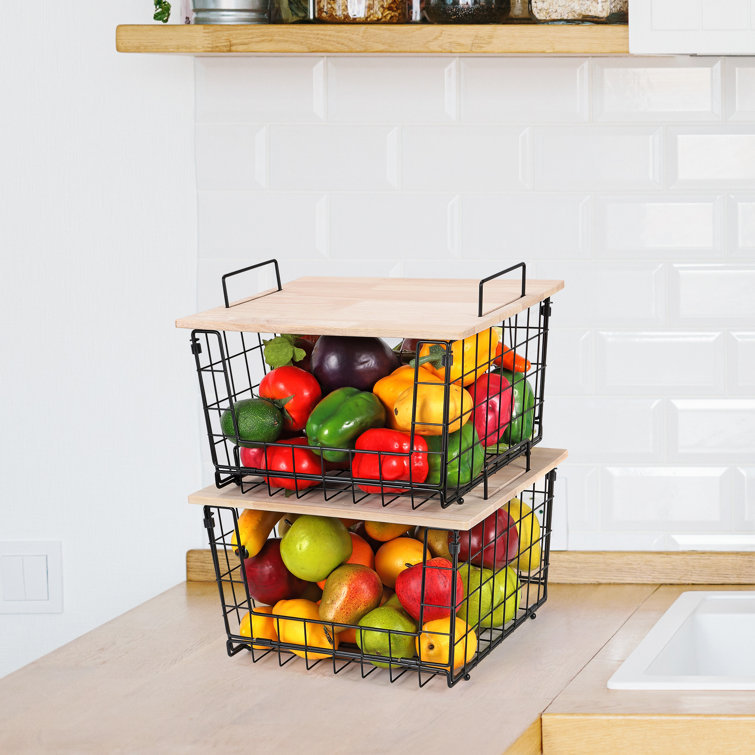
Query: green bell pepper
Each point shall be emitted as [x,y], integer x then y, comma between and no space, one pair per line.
[465,457]
[340,418]
[523,414]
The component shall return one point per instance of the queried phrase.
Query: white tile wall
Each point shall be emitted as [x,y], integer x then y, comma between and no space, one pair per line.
[631,178]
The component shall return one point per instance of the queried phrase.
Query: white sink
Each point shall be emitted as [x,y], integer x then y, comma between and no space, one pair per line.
[706,640]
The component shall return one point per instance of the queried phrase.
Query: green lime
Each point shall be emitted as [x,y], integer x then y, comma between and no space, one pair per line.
[258,420]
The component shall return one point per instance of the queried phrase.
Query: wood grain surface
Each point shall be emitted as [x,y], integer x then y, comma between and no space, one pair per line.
[503,486]
[422,39]
[158,680]
[443,309]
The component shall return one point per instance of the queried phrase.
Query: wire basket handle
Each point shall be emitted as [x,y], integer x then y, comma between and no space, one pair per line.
[246,269]
[498,275]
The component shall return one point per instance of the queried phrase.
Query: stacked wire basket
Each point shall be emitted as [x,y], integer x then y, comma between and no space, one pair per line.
[481,523]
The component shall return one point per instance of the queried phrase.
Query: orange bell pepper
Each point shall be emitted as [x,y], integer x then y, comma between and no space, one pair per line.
[472,357]
[505,357]
[389,388]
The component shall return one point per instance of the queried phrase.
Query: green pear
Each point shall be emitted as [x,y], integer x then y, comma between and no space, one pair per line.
[388,643]
[314,546]
[492,597]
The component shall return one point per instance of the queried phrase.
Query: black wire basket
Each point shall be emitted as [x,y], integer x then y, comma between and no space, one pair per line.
[495,577]
[468,382]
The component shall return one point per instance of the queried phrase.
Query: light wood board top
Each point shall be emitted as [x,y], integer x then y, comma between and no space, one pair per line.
[422,39]
[589,718]
[387,307]
[158,680]
[503,486]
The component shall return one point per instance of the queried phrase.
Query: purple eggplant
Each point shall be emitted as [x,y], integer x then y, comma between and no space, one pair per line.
[356,362]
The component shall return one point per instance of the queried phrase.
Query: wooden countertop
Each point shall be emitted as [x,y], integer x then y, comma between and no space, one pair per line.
[157,679]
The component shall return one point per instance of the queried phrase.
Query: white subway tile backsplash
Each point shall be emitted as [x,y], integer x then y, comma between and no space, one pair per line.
[655,89]
[606,294]
[719,293]
[570,361]
[259,89]
[578,157]
[742,225]
[604,429]
[715,429]
[519,225]
[628,226]
[332,158]
[658,362]
[511,90]
[469,158]
[391,89]
[741,361]
[368,225]
[231,156]
[675,498]
[593,171]
[712,158]
[740,85]
[237,223]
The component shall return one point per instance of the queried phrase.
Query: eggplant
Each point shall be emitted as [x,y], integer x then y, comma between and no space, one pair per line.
[353,361]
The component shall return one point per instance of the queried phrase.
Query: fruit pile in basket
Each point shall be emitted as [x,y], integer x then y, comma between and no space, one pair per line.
[349,403]
[387,589]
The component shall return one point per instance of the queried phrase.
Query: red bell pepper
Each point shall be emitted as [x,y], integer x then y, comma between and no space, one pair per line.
[296,391]
[284,458]
[492,398]
[385,466]
[506,358]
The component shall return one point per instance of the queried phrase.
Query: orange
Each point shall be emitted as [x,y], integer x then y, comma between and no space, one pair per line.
[361,553]
[262,627]
[384,531]
[435,639]
[395,556]
[291,630]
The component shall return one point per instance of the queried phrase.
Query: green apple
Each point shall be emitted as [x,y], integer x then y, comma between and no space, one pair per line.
[314,546]
[387,644]
[492,598]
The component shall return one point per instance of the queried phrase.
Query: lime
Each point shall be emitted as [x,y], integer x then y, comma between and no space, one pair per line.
[258,420]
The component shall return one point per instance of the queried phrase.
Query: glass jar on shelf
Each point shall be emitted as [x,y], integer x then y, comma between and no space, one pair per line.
[290,11]
[580,11]
[466,11]
[362,11]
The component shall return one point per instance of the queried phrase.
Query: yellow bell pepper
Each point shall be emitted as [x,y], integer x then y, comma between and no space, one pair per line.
[472,355]
[387,389]
[428,419]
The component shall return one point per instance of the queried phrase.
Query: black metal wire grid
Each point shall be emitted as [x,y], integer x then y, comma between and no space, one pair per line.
[488,614]
[231,365]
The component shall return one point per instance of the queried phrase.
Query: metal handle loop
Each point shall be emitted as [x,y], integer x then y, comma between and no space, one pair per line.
[498,275]
[246,269]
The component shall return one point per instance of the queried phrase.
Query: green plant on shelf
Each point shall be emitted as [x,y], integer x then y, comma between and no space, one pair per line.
[162,11]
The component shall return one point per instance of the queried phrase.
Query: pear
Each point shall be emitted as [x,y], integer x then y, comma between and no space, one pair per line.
[437,542]
[492,598]
[350,592]
[528,527]
[388,644]
[314,546]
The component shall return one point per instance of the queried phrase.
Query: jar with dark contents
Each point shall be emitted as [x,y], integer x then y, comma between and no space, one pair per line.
[362,11]
[466,11]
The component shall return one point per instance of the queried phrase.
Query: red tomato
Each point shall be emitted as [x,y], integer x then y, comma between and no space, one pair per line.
[299,390]
[283,458]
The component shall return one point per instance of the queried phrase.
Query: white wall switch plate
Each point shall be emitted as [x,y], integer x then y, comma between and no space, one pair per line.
[31,577]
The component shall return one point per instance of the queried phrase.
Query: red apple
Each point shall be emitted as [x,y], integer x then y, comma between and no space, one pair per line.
[267,577]
[439,575]
[492,543]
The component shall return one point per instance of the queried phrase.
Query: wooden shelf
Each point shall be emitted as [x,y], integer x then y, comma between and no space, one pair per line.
[503,486]
[438,308]
[420,39]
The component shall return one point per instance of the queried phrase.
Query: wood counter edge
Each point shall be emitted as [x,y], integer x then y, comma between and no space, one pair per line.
[600,567]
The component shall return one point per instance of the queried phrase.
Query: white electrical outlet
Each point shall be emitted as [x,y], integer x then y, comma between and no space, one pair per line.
[31,577]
